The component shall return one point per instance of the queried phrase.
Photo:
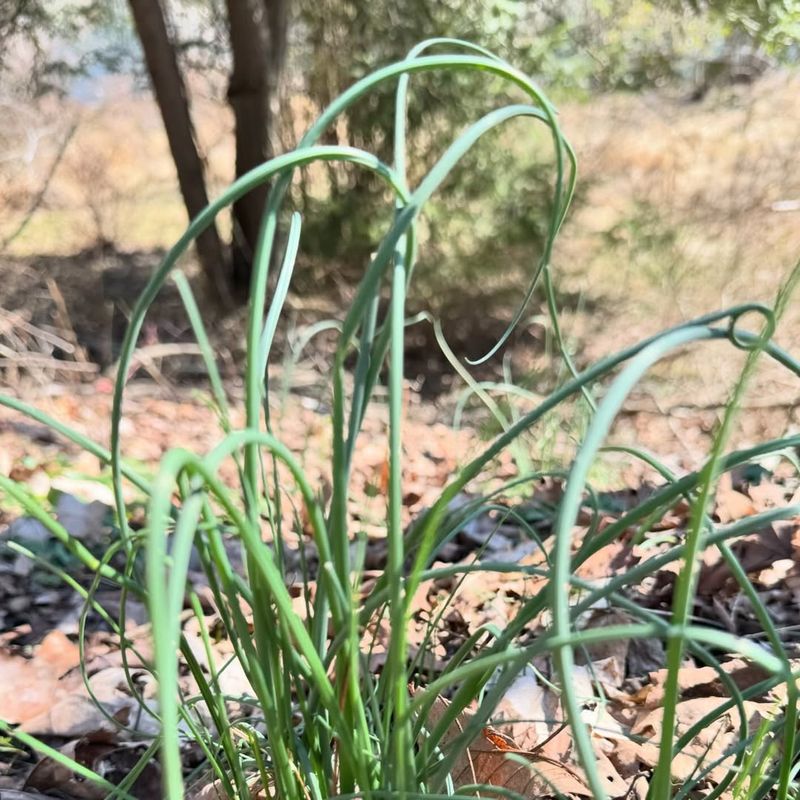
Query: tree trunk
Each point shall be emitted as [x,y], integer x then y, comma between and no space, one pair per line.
[172,99]
[258,31]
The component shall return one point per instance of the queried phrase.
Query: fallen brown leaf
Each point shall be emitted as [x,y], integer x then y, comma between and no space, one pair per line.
[494,759]
[711,743]
[530,714]
[767,495]
[487,761]
[209,789]
[31,686]
[110,761]
[730,504]
[608,659]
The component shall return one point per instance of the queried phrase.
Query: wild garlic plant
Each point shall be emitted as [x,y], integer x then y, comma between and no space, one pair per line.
[319,723]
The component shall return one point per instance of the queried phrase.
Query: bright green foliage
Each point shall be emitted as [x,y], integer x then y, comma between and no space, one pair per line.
[773,23]
[576,49]
[88,36]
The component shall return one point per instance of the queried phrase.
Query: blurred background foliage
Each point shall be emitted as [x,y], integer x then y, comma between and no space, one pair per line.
[485,228]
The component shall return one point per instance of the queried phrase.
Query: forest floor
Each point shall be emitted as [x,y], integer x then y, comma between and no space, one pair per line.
[45,694]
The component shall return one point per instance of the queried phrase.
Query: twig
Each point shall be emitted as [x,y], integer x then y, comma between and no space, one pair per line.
[37,200]
[28,360]
[16,320]
[632,407]
[146,357]
[64,319]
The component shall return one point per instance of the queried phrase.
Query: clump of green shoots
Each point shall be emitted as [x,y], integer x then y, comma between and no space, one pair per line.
[321,724]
